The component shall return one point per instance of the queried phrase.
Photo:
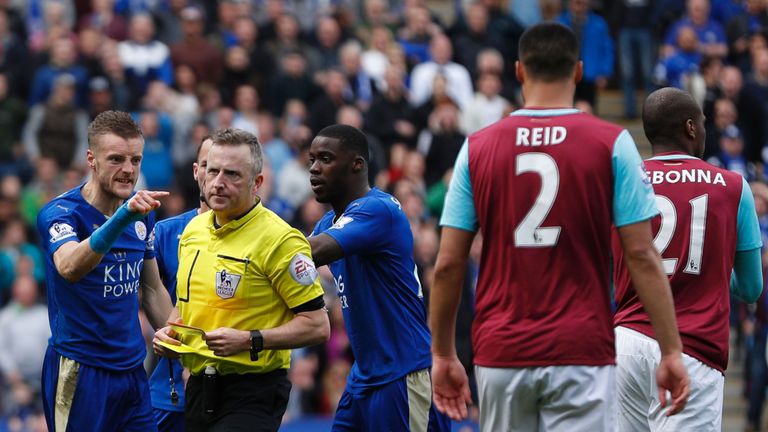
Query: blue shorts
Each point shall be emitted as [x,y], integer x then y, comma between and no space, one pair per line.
[82,398]
[169,421]
[402,405]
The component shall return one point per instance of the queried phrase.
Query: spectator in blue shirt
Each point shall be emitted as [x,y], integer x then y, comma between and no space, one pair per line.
[678,68]
[596,48]
[712,41]
[63,61]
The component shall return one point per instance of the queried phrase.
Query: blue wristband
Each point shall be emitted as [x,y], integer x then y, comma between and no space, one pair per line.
[102,239]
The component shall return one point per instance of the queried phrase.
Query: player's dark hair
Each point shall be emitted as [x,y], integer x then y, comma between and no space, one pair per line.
[113,122]
[549,52]
[236,137]
[350,138]
[665,113]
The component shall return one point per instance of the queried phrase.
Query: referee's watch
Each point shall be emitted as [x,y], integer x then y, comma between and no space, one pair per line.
[257,344]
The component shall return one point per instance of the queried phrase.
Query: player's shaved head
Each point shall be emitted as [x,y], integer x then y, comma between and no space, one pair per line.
[350,138]
[549,52]
[665,115]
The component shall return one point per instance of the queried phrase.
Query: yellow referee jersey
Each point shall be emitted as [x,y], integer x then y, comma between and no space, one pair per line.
[245,275]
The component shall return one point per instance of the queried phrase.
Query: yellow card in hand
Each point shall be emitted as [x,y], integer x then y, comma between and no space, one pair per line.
[186,349]
[186,330]
[180,349]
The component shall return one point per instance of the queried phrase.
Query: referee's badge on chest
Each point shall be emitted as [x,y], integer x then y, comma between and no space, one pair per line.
[226,284]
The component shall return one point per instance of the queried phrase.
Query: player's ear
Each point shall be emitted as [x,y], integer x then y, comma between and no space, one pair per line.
[690,128]
[257,182]
[519,72]
[579,72]
[195,167]
[90,158]
[358,164]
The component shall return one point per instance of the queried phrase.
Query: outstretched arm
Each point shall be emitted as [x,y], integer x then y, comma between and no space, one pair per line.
[325,249]
[73,260]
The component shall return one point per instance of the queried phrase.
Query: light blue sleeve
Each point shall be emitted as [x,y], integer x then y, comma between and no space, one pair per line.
[633,199]
[459,210]
[747,276]
[747,227]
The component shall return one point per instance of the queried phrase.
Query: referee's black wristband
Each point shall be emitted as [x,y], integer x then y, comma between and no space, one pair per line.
[257,344]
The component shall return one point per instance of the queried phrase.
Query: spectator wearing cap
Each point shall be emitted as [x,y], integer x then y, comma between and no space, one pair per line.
[144,59]
[57,128]
[62,61]
[194,51]
[731,154]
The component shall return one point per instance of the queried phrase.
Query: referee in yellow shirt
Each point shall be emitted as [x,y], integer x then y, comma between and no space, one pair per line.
[247,279]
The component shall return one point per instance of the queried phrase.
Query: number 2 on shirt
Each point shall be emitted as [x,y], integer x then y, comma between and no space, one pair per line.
[667,229]
[530,233]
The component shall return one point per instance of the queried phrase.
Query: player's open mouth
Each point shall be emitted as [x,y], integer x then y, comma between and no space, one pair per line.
[125,181]
[315,183]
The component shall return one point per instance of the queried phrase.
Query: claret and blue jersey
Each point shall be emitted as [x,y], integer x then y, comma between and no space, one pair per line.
[520,182]
[94,320]
[379,290]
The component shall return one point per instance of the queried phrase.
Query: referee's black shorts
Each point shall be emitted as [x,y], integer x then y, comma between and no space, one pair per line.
[248,403]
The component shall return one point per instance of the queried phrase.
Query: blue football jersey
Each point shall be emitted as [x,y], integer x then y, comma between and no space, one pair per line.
[95,320]
[379,290]
[167,235]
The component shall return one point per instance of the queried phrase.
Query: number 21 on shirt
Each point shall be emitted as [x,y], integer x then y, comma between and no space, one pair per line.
[698,225]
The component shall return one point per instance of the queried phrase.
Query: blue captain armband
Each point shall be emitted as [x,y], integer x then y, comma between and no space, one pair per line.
[103,238]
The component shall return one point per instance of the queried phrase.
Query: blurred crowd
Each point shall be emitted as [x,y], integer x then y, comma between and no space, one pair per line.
[416,76]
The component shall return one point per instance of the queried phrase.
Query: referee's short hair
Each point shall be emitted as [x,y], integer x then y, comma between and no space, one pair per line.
[236,137]
[351,138]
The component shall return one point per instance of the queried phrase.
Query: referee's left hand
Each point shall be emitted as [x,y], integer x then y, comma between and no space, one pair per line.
[225,341]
